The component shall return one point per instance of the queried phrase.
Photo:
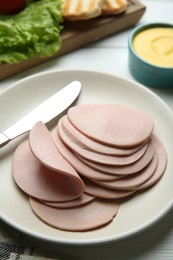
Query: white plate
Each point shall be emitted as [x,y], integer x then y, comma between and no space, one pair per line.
[135,214]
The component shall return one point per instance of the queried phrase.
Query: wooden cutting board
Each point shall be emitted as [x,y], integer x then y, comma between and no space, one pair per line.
[78,34]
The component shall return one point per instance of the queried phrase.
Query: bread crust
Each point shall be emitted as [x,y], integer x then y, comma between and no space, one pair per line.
[112,7]
[81,10]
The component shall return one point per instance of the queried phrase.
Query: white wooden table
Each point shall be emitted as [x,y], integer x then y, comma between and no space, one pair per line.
[108,55]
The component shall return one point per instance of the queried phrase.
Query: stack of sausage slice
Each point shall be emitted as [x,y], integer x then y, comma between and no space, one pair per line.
[112,147]
[99,153]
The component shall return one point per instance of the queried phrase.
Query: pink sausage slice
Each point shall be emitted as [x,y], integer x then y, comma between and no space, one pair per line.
[83,199]
[86,143]
[103,192]
[122,170]
[78,165]
[134,180]
[44,148]
[161,166]
[112,124]
[87,217]
[41,182]
[98,157]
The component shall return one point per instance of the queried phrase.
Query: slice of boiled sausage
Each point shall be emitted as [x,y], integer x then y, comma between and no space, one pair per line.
[161,166]
[87,217]
[41,182]
[124,169]
[86,143]
[78,165]
[134,180]
[103,192]
[98,157]
[112,124]
[44,149]
[83,199]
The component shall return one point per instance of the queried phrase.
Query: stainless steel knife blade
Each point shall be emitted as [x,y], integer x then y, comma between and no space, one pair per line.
[46,111]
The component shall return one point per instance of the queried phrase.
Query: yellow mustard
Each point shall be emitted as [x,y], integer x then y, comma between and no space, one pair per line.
[155,46]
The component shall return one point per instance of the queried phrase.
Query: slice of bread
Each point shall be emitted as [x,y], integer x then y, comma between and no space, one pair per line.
[81,9]
[111,7]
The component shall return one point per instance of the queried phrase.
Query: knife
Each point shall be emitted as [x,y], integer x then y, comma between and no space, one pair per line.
[46,111]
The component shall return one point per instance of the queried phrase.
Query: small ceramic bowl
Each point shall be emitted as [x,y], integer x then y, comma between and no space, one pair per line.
[147,73]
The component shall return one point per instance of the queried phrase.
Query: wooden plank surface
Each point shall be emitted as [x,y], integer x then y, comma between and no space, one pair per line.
[78,34]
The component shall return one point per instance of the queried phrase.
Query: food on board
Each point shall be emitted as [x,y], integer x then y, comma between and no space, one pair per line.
[35,30]
[75,10]
[81,10]
[114,7]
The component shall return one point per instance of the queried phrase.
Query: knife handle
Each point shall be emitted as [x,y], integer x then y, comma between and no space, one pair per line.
[3,140]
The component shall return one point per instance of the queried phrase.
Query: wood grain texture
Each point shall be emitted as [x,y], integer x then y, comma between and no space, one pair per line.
[78,34]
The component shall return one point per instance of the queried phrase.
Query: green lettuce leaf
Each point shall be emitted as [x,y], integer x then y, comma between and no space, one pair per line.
[35,31]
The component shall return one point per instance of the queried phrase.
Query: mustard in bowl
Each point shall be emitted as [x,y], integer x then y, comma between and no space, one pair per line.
[151,54]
